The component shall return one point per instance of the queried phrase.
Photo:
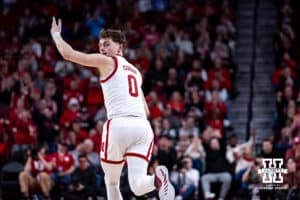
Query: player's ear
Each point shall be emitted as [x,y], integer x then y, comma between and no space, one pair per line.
[120,49]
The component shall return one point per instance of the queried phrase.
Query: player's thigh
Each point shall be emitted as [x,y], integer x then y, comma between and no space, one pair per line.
[111,147]
[112,172]
[142,143]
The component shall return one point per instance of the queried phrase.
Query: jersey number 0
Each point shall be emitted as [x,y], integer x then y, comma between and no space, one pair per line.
[133,88]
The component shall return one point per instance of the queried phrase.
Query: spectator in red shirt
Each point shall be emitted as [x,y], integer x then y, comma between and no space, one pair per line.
[63,164]
[291,182]
[79,133]
[176,103]
[283,77]
[294,152]
[213,105]
[94,95]
[218,71]
[73,92]
[151,35]
[215,122]
[36,173]
[96,136]
[70,113]
[23,128]
[155,105]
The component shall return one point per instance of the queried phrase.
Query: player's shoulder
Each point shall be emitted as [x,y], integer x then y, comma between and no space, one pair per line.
[126,65]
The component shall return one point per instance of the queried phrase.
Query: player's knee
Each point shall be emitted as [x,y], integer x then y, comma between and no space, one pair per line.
[109,181]
[135,187]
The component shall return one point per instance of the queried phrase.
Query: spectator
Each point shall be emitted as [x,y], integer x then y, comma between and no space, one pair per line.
[83,181]
[240,155]
[251,180]
[22,127]
[63,165]
[189,128]
[185,179]
[6,90]
[196,151]
[48,129]
[74,92]
[216,169]
[36,174]
[96,136]
[155,105]
[95,23]
[176,103]
[294,152]
[267,149]
[166,154]
[49,97]
[76,134]
[167,130]
[290,188]
[215,106]
[197,76]
[70,113]
[86,147]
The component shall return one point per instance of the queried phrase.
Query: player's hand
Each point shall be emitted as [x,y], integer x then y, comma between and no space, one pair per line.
[55,27]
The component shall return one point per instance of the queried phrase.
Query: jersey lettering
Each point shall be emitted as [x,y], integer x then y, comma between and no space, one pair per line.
[133,88]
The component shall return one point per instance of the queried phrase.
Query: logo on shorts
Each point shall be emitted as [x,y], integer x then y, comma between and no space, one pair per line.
[272,170]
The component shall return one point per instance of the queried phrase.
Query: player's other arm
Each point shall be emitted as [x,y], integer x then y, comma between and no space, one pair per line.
[68,53]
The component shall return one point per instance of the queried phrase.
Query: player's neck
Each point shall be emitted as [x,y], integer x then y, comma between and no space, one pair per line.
[119,54]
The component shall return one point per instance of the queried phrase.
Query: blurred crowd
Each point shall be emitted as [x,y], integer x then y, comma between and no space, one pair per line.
[285,81]
[52,112]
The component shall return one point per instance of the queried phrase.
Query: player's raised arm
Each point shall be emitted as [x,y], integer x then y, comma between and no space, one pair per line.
[91,60]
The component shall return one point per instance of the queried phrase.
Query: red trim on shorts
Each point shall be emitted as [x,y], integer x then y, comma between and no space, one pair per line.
[142,156]
[149,150]
[106,142]
[137,155]
[112,162]
[113,72]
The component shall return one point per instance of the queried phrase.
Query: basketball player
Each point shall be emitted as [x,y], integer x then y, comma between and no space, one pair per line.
[127,134]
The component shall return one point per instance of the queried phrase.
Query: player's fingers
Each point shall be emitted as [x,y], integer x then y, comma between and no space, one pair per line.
[53,21]
[59,24]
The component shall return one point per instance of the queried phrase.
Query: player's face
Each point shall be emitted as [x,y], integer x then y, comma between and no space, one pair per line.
[109,48]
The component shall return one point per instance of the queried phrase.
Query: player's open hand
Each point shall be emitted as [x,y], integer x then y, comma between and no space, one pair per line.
[55,27]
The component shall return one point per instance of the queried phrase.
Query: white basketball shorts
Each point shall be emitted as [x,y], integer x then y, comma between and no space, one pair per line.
[126,136]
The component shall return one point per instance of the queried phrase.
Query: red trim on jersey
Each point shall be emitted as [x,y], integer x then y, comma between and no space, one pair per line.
[106,142]
[112,162]
[113,72]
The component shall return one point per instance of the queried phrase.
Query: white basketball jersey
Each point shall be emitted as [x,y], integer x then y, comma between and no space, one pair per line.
[122,90]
